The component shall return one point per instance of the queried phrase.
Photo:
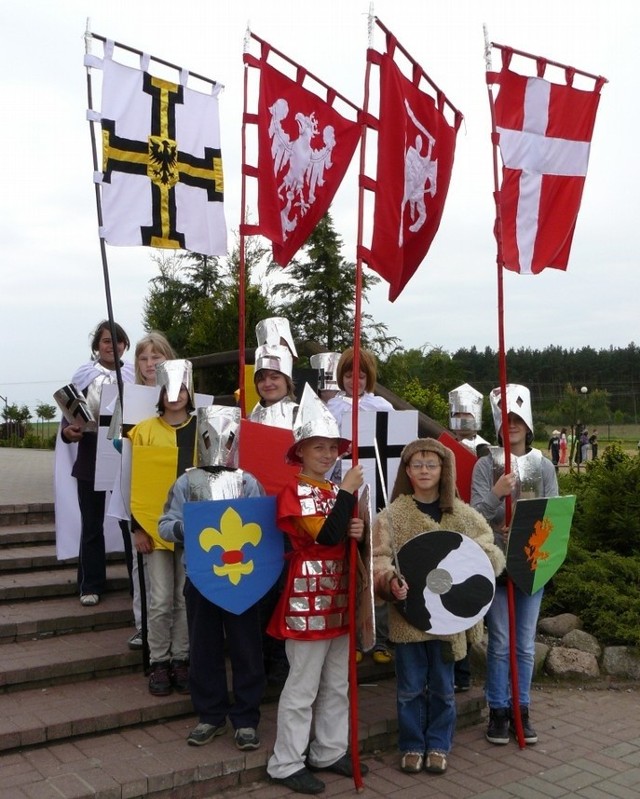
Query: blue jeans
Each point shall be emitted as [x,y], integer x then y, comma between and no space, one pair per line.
[527,608]
[426,702]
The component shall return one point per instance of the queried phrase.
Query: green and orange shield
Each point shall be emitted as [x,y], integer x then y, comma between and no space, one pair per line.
[538,540]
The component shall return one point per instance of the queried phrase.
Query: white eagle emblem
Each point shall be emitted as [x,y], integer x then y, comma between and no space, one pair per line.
[306,165]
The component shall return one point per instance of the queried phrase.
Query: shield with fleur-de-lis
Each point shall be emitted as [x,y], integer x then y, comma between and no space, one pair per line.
[234,552]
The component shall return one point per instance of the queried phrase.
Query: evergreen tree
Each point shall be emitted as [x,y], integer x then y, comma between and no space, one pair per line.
[318,295]
[194,301]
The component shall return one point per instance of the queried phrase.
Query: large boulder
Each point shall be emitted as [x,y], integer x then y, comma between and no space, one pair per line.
[578,639]
[567,663]
[621,661]
[559,625]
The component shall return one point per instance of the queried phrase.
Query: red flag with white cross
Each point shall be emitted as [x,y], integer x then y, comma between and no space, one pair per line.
[543,131]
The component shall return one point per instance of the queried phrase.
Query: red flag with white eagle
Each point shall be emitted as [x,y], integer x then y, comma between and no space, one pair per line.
[543,131]
[416,146]
[305,146]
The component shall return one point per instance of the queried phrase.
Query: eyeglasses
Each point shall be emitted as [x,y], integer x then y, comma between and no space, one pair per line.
[418,466]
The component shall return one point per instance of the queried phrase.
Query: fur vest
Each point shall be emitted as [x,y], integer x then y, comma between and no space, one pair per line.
[408,522]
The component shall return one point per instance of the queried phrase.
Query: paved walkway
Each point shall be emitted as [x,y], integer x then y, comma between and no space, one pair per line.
[589,748]
[589,736]
[26,476]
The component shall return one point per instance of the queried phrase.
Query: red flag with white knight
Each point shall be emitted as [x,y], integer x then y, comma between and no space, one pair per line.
[304,149]
[416,146]
[544,132]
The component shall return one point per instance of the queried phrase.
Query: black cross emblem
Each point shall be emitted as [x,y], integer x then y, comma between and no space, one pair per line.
[160,159]
[386,451]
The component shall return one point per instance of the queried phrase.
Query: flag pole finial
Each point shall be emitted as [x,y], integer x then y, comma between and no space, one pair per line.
[87,36]
[487,48]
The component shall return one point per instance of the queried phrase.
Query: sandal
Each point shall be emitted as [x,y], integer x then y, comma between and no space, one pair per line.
[412,762]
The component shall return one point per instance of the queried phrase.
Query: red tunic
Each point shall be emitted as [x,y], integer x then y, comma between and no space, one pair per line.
[313,603]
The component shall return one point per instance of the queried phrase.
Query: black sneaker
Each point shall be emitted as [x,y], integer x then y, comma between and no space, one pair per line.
[246,738]
[203,733]
[498,729]
[301,781]
[343,766]
[530,735]
[180,676]
[160,679]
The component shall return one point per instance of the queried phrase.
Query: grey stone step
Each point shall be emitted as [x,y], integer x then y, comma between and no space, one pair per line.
[24,619]
[61,581]
[67,711]
[41,556]
[27,513]
[38,662]
[20,534]
[47,753]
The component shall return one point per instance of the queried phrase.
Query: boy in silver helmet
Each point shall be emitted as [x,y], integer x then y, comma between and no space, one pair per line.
[218,477]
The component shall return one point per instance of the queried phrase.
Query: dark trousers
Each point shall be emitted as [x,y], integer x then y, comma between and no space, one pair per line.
[92,569]
[128,550]
[209,626]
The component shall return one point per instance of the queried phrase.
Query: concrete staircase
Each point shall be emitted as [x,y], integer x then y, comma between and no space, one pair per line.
[76,718]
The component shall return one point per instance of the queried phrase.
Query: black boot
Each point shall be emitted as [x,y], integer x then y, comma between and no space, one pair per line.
[530,735]
[498,729]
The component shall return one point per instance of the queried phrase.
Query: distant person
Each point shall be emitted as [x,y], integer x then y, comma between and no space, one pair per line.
[593,440]
[554,448]
[563,446]
[584,445]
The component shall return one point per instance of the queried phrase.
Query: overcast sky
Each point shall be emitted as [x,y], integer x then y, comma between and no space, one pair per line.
[52,290]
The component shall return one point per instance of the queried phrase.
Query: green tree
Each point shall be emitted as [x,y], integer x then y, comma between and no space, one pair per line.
[45,413]
[318,295]
[194,301]
[423,377]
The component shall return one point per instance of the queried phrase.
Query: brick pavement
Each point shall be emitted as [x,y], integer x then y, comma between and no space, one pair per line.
[589,748]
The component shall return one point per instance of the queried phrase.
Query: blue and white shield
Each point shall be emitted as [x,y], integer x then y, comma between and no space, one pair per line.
[234,552]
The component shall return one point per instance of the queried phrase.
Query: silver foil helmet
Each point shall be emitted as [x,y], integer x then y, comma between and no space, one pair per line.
[274,356]
[314,419]
[518,402]
[218,436]
[275,330]
[326,363]
[465,409]
[172,375]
